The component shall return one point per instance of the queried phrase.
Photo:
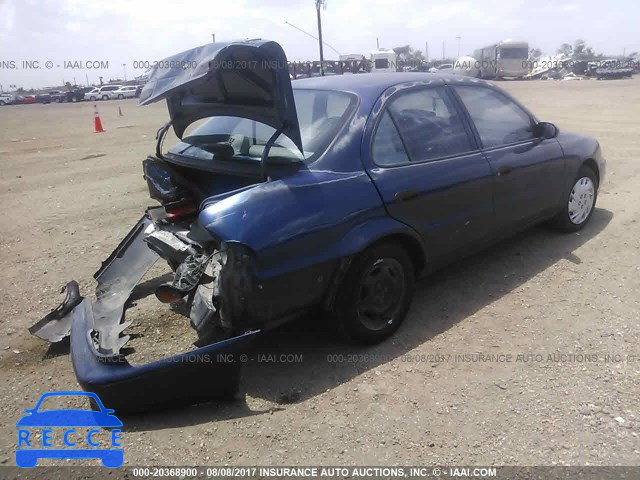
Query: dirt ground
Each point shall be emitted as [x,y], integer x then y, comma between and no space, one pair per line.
[555,317]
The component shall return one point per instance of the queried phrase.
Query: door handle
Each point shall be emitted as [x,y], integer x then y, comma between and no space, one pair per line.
[406,195]
[504,170]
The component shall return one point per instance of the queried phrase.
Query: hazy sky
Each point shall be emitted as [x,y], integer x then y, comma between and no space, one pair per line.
[123,31]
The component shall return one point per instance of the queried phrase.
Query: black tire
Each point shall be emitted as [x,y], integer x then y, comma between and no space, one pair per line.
[93,99]
[374,274]
[74,99]
[562,221]
[105,97]
[120,96]
[2,104]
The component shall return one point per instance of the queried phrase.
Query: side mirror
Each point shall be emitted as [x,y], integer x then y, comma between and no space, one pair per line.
[546,130]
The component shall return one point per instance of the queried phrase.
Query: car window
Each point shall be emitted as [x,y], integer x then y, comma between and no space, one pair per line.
[498,119]
[321,114]
[429,124]
[387,148]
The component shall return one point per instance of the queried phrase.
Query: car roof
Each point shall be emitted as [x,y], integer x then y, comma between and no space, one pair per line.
[371,83]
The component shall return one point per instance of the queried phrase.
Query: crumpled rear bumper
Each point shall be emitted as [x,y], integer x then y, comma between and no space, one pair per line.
[210,372]
[97,338]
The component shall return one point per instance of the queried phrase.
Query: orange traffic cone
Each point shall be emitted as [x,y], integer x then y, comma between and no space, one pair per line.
[120,112]
[97,122]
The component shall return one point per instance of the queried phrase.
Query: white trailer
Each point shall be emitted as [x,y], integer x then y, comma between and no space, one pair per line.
[384,60]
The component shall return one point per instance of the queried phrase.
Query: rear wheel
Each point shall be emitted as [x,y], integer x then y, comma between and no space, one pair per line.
[2,104]
[375,294]
[93,99]
[74,99]
[579,202]
[120,96]
[105,97]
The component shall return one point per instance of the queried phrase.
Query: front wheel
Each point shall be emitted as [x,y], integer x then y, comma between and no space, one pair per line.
[74,99]
[120,96]
[579,202]
[375,294]
[105,97]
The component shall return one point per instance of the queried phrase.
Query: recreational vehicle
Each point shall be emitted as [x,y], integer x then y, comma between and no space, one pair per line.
[503,59]
[383,61]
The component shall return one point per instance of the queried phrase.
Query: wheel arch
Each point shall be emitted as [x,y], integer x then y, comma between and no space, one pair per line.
[390,233]
[409,243]
[593,165]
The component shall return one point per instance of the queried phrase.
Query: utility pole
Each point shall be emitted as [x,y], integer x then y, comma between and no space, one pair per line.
[377,44]
[312,36]
[125,71]
[458,38]
[213,38]
[443,50]
[320,4]
[426,51]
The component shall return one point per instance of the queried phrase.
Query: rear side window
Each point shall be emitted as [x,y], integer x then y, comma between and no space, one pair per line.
[429,124]
[498,119]
[387,146]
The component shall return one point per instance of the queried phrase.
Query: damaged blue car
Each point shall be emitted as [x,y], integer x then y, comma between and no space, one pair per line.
[333,192]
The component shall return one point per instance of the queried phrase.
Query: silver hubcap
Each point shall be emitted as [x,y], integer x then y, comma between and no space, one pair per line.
[581,200]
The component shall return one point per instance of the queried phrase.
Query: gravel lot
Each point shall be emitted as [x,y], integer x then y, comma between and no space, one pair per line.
[543,309]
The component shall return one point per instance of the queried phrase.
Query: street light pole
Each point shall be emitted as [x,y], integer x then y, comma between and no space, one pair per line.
[458,38]
[213,38]
[124,65]
[319,4]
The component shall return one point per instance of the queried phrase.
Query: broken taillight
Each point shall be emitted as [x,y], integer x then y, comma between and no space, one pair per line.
[174,213]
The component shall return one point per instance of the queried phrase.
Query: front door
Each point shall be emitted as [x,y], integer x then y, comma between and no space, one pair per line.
[528,170]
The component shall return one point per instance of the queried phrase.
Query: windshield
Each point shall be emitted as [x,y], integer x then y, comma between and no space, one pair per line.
[321,113]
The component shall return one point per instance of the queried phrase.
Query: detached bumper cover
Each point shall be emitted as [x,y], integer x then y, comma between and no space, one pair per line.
[96,328]
[199,375]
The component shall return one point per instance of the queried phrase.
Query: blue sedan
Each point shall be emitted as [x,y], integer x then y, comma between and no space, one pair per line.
[333,192]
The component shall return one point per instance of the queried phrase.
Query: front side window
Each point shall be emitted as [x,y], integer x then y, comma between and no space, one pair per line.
[498,119]
[428,124]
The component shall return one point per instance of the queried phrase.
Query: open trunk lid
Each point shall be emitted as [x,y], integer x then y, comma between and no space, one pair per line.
[247,79]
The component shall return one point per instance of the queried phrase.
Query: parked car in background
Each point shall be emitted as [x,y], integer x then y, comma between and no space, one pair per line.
[106,90]
[43,97]
[92,94]
[128,91]
[280,202]
[77,95]
[441,68]
[6,99]
[25,99]
[101,93]
[57,96]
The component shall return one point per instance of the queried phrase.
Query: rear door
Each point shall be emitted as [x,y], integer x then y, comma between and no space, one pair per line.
[426,165]
[528,170]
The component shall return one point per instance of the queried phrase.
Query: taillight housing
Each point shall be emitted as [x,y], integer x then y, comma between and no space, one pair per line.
[175,212]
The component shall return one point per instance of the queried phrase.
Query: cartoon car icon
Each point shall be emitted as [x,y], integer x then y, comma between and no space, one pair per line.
[68,419]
